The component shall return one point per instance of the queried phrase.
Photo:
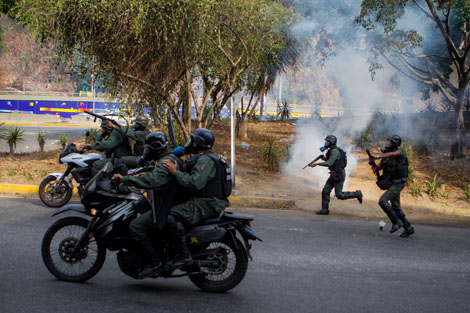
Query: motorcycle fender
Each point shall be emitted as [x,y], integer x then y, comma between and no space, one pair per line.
[248,233]
[59,175]
[205,234]
[72,207]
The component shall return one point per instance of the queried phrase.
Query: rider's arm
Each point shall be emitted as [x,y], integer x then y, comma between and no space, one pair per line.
[334,155]
[155,179]
[112,142]
[203,171]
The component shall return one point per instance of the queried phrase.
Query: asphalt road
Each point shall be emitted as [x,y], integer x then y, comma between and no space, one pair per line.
[30,135]
[307,263]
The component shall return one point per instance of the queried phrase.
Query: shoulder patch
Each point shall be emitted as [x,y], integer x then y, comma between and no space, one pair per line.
[202,167]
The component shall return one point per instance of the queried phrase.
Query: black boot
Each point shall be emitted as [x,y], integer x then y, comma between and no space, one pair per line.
[359,196]
[324,206]
[409,230]
[396,223]
[178,237]
[155,265]
[351,195]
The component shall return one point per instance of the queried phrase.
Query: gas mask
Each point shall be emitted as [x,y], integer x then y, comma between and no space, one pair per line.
[105,132]
[149,155]
[389,147]
[188,147]
[137,127]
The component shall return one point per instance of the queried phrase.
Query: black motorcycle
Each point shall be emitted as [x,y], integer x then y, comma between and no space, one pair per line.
[74,248]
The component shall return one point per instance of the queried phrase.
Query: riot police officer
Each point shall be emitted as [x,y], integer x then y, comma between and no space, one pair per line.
[206,183]
[394,165]
[336,162]
[115,143]
[155,149]
[138,133]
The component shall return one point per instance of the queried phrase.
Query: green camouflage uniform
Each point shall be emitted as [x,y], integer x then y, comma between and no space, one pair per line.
[138,136]
[332,183]
[197,209]
[156,179]
[116,138]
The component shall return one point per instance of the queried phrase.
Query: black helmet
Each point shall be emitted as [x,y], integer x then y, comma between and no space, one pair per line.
[104,125]
[396,140]
[156,141]
[203,138]
[142,120]
[331,139]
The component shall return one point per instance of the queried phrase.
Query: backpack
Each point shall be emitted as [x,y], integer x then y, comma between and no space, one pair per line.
[224,174]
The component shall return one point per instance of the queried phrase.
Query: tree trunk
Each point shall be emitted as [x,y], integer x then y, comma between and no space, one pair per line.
[12,149]
[457,148]
[187,102]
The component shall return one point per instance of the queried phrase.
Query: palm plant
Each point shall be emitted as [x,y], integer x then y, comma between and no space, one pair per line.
[63,140]
[272,154]
[13,137]
[41,141]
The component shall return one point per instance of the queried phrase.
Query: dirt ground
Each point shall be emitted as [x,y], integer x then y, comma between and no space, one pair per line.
[253,179]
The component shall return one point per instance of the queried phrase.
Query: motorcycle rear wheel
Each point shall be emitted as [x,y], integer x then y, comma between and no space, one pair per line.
[60,197]
[57,245]
[231,268]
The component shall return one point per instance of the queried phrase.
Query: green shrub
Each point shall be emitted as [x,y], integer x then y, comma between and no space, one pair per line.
[28,175]
[13,137]
[431,186]
[91,134]
[283,111]
[43,173]
[364,138]
[411,159]
[443,193]
[12,172]
[415,190]
[421,147]
[272,154]
[467,192]
[63,140]
[41,141]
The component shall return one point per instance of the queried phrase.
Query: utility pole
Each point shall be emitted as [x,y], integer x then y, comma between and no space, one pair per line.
[93,90]
[232,139]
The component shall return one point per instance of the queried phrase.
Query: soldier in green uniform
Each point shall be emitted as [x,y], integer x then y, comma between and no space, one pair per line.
[394,164]
[155,149]
[336,162]
[116,143]
[138,133]
[206,184]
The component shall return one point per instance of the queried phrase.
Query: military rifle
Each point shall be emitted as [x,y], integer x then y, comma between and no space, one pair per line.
[321,156]
[103,118]
[375,169]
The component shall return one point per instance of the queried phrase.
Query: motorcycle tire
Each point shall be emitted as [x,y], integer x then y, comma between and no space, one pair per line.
[232,267]
[58,243]
[44,190]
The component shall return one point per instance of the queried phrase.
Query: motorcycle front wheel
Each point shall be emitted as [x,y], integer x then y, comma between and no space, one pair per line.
[229,266]
[54,196]
[57,247]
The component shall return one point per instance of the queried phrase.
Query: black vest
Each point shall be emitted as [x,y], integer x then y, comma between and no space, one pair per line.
[214,188]
[122,149]
[397,167]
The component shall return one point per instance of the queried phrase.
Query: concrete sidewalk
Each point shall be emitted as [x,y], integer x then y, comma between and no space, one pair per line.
[370,210]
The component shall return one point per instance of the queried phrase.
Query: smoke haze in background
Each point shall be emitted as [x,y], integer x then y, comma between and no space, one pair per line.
[346,70]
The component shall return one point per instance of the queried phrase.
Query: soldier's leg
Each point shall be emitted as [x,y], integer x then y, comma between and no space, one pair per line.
[344,195]
[325,197]
[396,206]
[139,230]
[387,208]
[130,161]
[98,165]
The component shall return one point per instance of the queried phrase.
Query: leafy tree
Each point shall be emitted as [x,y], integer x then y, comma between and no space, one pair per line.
[440,64]
[154,52]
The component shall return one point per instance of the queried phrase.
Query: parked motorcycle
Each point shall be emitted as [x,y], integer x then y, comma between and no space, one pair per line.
[56,189]
[74,248]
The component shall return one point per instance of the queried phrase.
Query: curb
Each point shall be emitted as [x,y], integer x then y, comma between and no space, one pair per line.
[23,189]
[58,124]
[235,200]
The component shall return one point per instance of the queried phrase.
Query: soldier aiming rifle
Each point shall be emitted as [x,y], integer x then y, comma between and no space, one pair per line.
[336,162]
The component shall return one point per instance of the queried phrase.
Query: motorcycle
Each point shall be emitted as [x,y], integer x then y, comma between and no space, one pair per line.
[56,189]
[74,248]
